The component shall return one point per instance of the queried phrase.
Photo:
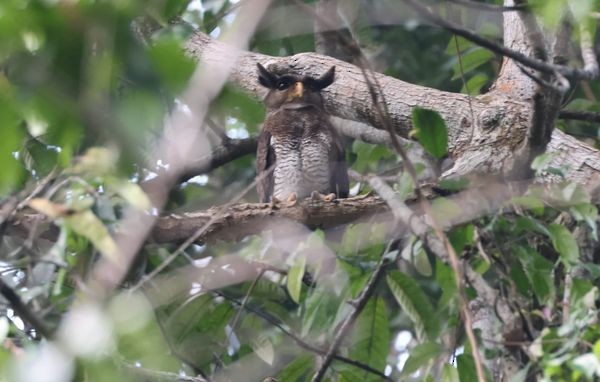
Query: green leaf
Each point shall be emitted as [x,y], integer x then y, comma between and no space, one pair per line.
[294,278]
[10,139]
[370,339]
[133,194]
[431,131]
[421,260]
[445,278]
[463,45]
[462,236]
[421,355]
[263,348]
[519,277]
[454,184]
[530,202]
[470,61]
[526,223]
[445,210]
[321,306]
[174,8]
[539,271]
[542,162]
[171,64]
[415,304]
[449,373]
[475,83]
[4,328]
[86,224]
[298,370]
[521,376]
[588,213]
[466,368]
[564,243]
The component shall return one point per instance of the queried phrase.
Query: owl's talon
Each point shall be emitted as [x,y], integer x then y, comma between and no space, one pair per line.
[317,196]
[329,198]
[292,200]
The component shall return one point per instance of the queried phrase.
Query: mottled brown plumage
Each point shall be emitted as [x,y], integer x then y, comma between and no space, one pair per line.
[298,140]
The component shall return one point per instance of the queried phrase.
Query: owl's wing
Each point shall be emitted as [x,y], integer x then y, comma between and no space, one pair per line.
[265,158]
[337,161]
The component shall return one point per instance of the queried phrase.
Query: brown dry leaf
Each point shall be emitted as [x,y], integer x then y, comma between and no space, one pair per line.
[48,208]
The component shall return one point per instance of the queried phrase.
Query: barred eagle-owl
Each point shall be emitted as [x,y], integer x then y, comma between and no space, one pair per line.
[298,139]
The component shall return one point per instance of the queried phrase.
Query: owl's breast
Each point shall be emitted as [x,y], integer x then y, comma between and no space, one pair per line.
[302,144]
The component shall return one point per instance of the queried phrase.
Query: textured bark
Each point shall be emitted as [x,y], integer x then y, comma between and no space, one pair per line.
[238,221]
[484,142]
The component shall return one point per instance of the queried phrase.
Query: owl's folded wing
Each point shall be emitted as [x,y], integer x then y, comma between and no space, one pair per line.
[265,159]
[338,169]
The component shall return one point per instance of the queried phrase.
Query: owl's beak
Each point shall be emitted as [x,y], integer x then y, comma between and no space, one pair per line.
[298,91]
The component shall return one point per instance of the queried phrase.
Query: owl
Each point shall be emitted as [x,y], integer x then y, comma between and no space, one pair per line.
[298,141]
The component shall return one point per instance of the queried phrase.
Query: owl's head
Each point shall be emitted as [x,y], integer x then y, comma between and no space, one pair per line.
[289,90]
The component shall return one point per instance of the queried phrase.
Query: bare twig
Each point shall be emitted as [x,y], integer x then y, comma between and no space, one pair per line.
[299,341]
[588,53]
[441,247]
[544,67]
[142,374]
[220,155]
[358,305]
[23,310]
[200,231]
[580,115]
[489,7]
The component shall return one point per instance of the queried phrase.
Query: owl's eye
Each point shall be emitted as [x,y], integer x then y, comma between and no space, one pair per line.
[283,84]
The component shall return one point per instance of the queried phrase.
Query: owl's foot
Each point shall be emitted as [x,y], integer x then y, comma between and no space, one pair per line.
[317,196]
[292,199]
[275,202]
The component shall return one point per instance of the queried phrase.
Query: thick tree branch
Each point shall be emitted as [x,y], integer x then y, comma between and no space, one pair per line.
[246,219]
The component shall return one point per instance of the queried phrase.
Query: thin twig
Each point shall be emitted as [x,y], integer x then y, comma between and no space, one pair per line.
[23,310]
[299,341]
[346,325]
[443,249]
[200,231]
[544,67]
[579,115]
[588,53]
[489,7]
[244,302]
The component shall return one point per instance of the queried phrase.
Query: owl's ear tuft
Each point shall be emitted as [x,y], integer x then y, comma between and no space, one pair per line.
[266,78]
[326,79]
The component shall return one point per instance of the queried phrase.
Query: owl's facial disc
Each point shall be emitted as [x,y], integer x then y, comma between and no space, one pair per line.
[296,92]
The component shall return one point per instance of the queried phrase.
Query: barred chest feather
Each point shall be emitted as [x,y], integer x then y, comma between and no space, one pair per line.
[302,165]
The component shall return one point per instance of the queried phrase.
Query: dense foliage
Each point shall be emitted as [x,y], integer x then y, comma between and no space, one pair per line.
[85,88]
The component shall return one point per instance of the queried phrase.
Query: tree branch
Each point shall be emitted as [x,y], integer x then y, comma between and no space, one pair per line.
[299,341]
[542,66]
[489,7]
[246,219]
[580,115]
[358,305]
[23,310]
